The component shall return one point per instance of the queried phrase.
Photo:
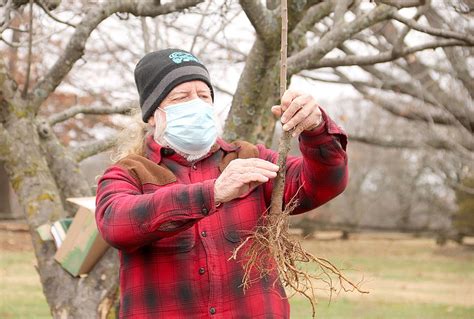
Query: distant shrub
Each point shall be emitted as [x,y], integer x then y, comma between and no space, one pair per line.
[463,218]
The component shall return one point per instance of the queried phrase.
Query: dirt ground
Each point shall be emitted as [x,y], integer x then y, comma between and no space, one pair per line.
[14,236]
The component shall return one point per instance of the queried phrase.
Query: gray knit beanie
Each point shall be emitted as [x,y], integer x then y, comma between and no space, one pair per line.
[157,73]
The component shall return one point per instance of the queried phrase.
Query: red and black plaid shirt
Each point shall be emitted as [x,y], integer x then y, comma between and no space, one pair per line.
[175,244]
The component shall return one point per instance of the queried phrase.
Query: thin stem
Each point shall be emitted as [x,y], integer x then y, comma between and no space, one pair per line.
[201,22]
[50,14]
[284,145]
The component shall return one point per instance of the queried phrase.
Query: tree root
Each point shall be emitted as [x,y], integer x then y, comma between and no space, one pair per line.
[270,249]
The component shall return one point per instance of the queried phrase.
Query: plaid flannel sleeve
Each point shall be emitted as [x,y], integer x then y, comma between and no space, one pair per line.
[321,173]
[128,219]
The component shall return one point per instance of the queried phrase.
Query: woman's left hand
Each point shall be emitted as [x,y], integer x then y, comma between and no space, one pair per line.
[299,112]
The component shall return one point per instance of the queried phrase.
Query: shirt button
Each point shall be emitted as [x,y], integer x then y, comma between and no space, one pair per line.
[203,234]
[202,270]
[205,211]
[195,167]
[212,310]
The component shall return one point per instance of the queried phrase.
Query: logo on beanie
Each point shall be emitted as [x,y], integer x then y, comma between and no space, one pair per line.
[178,57]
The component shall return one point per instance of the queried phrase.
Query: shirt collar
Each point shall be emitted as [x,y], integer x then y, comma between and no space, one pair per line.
[156,152]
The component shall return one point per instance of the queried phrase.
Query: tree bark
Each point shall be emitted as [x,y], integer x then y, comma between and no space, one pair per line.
[64,168]
[40,199]
[250,118]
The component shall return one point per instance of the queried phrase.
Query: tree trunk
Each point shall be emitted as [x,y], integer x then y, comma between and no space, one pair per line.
[250,117]
[66,172]
[43,173]
[40,199]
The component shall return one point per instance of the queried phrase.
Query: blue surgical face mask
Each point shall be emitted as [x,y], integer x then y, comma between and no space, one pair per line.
[190,126]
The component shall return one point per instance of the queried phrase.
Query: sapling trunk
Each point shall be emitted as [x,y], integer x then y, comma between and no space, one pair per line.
[285,139]
[270,248]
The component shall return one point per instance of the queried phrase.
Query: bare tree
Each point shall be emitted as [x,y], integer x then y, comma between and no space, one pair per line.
[41,170]
[394,188]
[371,47]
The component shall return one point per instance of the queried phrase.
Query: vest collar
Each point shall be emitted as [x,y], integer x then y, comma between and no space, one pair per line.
[156,152]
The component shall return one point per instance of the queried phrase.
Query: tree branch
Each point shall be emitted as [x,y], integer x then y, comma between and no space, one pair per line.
[67,175]
[261,19]
[384,56]
[340,10]
[209,39]
[50,4]
[461,69]
[402,3]
[81,109]
[222,90]
[457,61]
[433,31]
[199,27]
[76,45]
[35,42]
[399,42]
[7,8]
[437,115]
[92,148]
[30,44]
[433,142]
[385,142]
[312,16]
[8,85]
[145,34]
[312,55]
[410,113]
[426,90]
[50,14]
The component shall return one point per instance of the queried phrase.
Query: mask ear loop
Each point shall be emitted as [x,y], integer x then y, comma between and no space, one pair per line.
[160,125]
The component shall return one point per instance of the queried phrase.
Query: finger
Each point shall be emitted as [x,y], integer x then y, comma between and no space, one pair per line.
[288,97]
[295,106]
[309,108]
[253,177]
[252,170]
[299,117]
[276,110]
[255,162]
[302,126]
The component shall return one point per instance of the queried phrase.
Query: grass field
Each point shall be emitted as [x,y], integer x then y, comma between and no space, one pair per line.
[407,278]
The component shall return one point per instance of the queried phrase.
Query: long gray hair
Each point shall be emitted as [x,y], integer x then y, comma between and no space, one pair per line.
[131,139]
